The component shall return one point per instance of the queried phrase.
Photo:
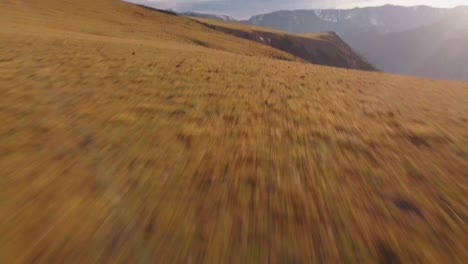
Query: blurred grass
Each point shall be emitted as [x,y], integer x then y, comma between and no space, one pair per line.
[138,146]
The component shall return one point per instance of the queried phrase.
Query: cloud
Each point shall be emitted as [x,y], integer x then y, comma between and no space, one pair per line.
[246,8]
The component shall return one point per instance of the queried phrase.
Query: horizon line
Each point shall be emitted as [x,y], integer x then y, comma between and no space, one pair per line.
[206,12]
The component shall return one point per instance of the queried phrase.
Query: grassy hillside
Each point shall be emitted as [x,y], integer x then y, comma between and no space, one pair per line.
[124,139]
[111,18]
[318,48]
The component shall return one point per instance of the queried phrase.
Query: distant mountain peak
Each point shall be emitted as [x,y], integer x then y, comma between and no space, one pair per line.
[211,16]
[393,38]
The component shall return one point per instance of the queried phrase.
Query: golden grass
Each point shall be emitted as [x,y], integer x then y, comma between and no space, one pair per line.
[139,146]
[111,18]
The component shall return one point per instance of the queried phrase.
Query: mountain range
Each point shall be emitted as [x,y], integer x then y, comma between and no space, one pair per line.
[418,40]
[383,19]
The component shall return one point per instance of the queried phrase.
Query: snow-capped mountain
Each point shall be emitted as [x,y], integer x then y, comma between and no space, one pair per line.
[383,19]
[406,40]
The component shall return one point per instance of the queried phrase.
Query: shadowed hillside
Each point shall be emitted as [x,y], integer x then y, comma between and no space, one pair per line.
[134,136]
[319,48]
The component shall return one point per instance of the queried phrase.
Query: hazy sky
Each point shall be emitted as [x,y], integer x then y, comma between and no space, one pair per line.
[246,8]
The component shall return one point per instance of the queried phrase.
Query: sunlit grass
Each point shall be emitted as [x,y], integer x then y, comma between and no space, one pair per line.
[141,146]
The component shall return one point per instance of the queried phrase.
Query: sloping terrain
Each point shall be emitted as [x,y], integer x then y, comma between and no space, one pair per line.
[124,140]
[319,48]
[121,21]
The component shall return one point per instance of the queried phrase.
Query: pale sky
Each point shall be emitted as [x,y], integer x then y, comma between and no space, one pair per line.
[247,8]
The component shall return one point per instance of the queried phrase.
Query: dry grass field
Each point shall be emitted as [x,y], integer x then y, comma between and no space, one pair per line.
[132,136]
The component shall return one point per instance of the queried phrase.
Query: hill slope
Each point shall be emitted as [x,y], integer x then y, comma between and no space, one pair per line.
[130,136]
[123,20]
[321,48]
